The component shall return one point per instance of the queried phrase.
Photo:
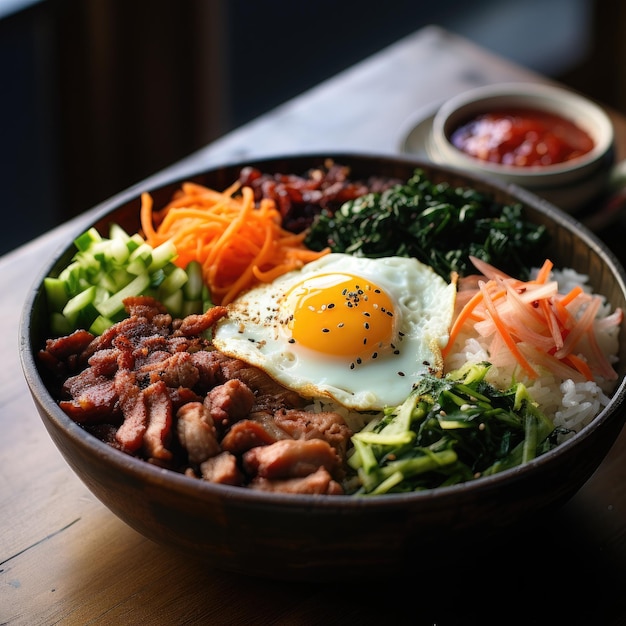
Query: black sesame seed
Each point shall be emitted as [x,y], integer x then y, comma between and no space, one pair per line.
[331,305]
[366,326]
[359,361]
[375,355]
[351,366]
[291,340]
[401,374]
[325,330]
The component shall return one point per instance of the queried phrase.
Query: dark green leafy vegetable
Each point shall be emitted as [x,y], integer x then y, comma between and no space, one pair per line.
[440,225]
[449,430]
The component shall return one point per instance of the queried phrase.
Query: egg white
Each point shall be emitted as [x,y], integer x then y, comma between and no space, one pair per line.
[256,330]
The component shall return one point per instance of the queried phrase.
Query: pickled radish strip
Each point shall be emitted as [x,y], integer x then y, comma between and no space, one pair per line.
[531,324]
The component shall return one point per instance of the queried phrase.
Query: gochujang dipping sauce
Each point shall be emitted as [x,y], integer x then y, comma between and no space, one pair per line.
[522,137]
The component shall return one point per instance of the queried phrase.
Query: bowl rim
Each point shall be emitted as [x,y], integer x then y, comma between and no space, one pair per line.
[195,488]
[562,101]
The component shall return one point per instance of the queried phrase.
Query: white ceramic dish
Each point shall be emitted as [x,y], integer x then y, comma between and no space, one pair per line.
[570,185]
[415,134]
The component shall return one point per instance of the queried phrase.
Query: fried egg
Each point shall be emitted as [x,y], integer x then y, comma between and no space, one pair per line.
[355,330]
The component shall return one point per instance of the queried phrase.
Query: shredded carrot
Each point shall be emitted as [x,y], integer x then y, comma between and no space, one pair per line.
[238,242]
[544,272]
[569,297]
[533,325]
[580,365]
[460,321]
[146,216]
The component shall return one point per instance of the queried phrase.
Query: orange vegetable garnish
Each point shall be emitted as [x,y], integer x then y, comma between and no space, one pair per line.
[237,243]
[532,323]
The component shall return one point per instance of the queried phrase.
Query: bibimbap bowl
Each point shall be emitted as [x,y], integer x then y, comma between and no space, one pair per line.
[307,536]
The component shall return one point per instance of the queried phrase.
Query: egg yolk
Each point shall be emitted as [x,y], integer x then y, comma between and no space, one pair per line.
[341,315]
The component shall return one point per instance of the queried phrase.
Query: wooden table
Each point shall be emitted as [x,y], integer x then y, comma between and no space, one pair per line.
[64,558]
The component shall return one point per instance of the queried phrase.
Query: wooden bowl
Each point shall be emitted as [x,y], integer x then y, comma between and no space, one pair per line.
[315,537]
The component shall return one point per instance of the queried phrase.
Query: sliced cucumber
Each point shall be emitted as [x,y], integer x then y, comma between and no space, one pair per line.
[193,287]
[56,292]
[76,304]
[115,302]
[172,283]
[90,291]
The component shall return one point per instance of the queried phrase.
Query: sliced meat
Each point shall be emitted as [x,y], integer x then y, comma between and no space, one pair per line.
[131,327]
[247,434]
[196,432]
[62,356]
[151,347]
[290,458]
[269,394]
[207,366]
[325,425]
[181,371]
[93,400]
[229,402]
[270,425]
[319,482]
[176,370]
[222,468]
[181,396]
[104,362]
[144,306]
[125,352]
[130,434]
[158,434]
[198,324]
[63,347]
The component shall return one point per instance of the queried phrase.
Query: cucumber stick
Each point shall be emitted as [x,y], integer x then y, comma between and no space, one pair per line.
[90,291]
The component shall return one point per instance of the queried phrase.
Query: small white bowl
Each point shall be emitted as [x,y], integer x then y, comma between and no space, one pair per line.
[570,185]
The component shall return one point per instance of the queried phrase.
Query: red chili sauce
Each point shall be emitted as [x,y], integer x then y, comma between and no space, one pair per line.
[522,137]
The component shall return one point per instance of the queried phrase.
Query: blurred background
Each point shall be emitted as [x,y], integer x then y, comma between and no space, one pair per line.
[99,94]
